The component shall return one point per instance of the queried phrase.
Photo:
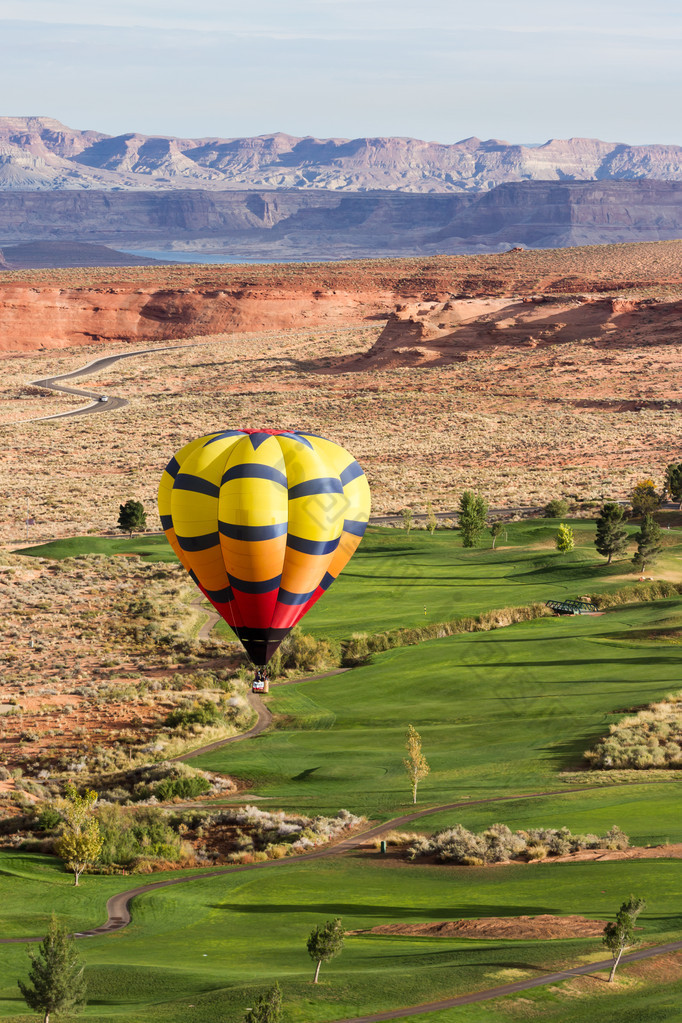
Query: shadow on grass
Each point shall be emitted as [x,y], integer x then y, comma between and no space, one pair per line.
[437,914]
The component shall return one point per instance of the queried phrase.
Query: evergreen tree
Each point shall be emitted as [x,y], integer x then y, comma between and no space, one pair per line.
[611,538]
[132,516]
[673,482]
[648,543]
[325,942]
[472,514]
[56,982]
[620,935]
[268,1008]
[564,540]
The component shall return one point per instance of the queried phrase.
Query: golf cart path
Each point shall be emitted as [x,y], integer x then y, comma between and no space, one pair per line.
[509,989]
[119,916]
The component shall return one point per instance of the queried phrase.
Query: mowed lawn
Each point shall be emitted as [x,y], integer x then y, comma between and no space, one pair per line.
[202,952]
[395,579]
[500,713]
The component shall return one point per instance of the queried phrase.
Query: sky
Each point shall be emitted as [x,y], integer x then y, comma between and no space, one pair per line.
[440,70]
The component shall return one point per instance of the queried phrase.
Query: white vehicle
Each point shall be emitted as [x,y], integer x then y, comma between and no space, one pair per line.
[102,397]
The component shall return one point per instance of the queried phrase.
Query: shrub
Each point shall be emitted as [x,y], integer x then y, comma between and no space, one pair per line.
[183,788]
[650,738]
[498,842]
[147,834]
[201,712]
[556,509]
[49,817]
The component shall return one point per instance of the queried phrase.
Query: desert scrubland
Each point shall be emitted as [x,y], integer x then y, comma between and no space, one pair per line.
[519,384]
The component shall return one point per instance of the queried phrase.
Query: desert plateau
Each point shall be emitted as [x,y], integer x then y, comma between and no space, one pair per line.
[528,373]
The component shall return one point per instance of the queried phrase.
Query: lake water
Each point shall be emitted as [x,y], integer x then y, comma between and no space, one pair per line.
[206,257]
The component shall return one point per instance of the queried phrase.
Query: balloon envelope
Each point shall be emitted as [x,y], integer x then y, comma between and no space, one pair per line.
[264,521]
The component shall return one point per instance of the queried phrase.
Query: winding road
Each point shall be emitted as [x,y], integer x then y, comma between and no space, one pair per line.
[95,406]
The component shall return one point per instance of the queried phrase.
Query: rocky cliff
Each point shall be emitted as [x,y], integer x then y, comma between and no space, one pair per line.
[429,298]
[331,225]
[42,153]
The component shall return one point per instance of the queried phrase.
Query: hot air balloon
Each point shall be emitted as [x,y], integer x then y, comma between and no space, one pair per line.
[264,521]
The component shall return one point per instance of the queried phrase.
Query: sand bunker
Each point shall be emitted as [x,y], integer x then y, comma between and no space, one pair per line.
[544,927]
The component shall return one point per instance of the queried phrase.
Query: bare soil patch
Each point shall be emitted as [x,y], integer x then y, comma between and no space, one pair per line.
[522,928]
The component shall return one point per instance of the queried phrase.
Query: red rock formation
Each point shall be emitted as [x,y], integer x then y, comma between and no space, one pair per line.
[52,317]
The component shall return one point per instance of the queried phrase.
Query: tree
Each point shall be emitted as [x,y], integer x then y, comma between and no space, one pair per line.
[648,542]
[556,509]
[407,519]
[431,520]
[132,516]
[56,982]
[645,499]
[415,762]
[611,538]
[472,514]
[564,540]
[80,841]
[620,936]
[268,1008]
[673,482]
[325,942]
[495,530]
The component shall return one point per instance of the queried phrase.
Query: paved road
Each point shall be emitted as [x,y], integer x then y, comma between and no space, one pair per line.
[96,406]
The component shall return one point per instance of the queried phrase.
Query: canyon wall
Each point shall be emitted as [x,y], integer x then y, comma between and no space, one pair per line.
[332,225]
[57,317]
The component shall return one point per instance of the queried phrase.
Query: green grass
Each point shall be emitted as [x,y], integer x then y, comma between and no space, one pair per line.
[393,577]
[499,713]
[201,952]
[151,548]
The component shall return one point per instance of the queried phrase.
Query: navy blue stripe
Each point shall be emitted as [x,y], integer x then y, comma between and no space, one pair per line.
[285,597]
[226,433]
[195,484]
[296,435]
[244,586]
[173,467]
[326,485]
[198,543]
[223,596]
[327,580]
[351,472]
[354,527]
[252,532]
[298,543]
[166,521]
[258,438]
[251,470]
